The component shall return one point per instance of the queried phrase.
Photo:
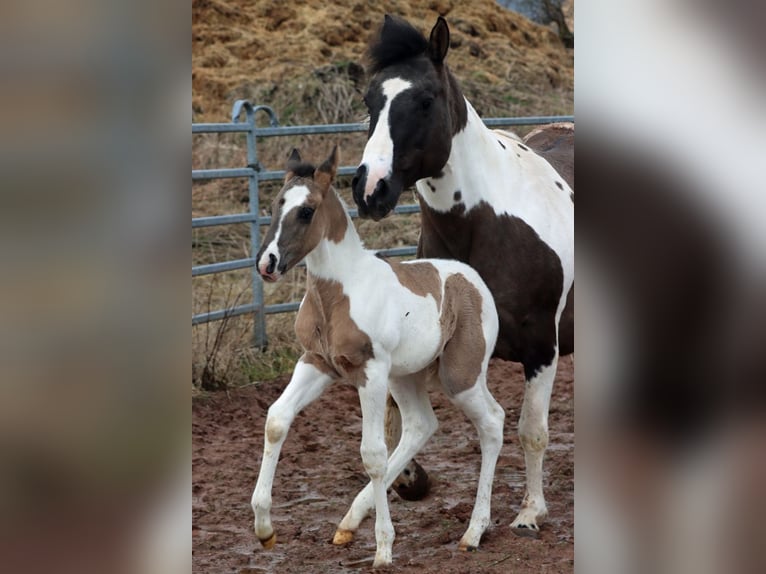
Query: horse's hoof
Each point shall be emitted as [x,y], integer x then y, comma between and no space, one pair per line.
[526,530]
[467,547]
[269,543]
[413,483]
[342,537]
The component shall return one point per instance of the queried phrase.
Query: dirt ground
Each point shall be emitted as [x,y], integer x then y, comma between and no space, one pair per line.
[320,472]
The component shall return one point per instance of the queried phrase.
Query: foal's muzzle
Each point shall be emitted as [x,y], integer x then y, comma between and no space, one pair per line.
[381,201]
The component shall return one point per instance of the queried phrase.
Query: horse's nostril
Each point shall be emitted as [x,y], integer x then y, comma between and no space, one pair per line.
[272,263]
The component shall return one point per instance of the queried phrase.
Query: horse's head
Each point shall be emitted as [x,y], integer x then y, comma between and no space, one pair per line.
[301,216]
[415,108]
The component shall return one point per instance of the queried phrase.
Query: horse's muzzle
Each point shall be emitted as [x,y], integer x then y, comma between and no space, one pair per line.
[380,202]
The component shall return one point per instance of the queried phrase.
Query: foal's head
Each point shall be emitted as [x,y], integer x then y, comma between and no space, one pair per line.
[303,213]
[415,108]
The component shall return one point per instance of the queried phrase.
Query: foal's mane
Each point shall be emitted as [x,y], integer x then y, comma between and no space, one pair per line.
[303,169]
[397,40]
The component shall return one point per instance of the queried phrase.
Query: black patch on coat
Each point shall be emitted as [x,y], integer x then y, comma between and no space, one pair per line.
[522,146]
[559,185]
[430,186]
[501,144]
[457,195]
[527,281]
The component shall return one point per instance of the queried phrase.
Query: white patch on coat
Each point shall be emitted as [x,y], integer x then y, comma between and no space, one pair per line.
[379,151]
[514,181]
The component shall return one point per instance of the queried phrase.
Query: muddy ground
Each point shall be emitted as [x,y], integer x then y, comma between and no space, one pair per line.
[320,472]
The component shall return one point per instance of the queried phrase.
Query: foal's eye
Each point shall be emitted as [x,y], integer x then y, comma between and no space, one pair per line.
[425,104]
[305,214]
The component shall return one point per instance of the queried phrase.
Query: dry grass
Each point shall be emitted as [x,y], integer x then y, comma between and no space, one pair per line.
[303,60]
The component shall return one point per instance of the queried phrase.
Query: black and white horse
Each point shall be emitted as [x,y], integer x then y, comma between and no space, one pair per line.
[487,199]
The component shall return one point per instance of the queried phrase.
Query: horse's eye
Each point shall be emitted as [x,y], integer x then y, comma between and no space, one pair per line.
[305,214]
[425,104]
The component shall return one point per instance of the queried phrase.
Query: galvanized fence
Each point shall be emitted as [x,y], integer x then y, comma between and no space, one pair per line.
[255,173]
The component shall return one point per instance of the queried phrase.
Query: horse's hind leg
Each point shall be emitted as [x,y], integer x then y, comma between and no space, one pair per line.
[488,417]
[412,482]
[418,425]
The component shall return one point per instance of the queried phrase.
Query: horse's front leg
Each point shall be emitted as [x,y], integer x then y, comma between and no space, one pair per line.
[372,396]
[306,384]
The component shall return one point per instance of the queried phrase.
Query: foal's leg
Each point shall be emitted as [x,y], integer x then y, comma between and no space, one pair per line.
[533,435]
[418,425]
[306,385]
[372,396]
[487,416]
[412,483]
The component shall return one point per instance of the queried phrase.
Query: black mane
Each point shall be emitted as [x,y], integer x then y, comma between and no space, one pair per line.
[303,169]
[397,40]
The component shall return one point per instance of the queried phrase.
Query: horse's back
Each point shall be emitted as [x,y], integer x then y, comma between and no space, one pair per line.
[555,142]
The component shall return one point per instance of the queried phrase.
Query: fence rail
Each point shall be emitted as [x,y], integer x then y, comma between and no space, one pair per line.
[255,173]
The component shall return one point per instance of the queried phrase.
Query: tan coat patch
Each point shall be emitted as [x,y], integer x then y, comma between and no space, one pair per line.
[332,340]
[422,278]
[461,361]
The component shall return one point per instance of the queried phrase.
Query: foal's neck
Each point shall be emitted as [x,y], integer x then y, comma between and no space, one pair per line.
[332,260]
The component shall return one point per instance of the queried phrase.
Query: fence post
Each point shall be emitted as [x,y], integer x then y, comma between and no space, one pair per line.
[259,330]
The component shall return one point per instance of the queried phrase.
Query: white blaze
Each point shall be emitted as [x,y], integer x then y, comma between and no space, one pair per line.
[379,151]
[294,197]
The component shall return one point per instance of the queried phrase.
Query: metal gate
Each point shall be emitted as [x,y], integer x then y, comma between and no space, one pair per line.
[255,173]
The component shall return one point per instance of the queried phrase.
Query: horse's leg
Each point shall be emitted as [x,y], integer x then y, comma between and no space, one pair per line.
[372,396]
[306,384]
[412,482]
[533,435]
[488,417]
[419,424]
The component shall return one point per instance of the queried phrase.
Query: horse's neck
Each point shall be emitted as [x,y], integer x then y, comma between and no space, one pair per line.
[480,163]
[474,149]
[338,261]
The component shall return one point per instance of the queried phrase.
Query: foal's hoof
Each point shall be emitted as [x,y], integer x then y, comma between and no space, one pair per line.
[269,543]
[412,483]
[342,537]
[526,530]
[463,547]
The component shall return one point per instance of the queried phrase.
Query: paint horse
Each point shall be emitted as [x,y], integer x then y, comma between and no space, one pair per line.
[381,326]
[486,199]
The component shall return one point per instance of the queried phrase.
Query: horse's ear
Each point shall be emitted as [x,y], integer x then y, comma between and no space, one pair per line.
[325,174]
[438,44]
[292,164]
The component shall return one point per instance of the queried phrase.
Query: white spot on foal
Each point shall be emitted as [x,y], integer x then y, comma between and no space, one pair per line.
[294,197]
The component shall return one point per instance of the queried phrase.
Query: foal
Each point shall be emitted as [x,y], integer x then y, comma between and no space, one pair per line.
[380,326]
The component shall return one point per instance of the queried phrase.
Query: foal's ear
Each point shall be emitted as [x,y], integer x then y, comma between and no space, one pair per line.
[325,174]
[292,164]
[438,44]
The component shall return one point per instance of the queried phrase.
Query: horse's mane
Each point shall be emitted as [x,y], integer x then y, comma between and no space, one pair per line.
[396,40]
[303,169]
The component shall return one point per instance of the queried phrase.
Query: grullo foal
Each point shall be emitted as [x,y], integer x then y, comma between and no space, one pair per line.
[380,326]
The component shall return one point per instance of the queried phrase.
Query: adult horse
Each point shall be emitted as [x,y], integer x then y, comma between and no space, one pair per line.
[487,199]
